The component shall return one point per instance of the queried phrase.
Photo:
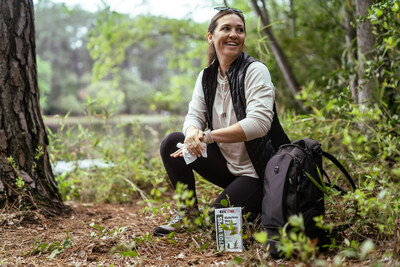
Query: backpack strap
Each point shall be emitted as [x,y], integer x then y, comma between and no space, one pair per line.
[341,168]
[353,185]
[276,133]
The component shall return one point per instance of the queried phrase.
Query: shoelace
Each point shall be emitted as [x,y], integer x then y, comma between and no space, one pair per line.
[177,217]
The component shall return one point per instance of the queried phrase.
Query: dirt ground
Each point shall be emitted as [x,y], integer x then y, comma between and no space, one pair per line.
[90,235]
[117,235]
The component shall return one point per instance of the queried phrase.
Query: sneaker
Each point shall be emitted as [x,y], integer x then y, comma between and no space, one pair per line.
[176,224]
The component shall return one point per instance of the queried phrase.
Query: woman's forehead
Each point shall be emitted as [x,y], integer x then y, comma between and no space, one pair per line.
[230,19]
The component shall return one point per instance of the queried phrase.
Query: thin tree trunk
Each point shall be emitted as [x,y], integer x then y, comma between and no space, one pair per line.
[351,55]
[26,177]
[277,51]
[293,17]
[365,51]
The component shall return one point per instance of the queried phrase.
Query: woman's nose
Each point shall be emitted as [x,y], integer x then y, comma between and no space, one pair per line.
[233,33]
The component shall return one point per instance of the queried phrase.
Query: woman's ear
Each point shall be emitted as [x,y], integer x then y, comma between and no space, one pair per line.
[209,36]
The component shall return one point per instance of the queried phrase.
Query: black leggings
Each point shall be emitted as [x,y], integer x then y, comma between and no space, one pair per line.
[242,191]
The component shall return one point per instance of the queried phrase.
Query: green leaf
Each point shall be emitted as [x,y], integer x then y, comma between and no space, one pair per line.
[42,246]
[225,227]
[55,253]
[395,7]
[54,246]
[224,202]
[318,185]
[366,248]
[132,254]
[204,246]
[261,237]
[67,243]
[238,260]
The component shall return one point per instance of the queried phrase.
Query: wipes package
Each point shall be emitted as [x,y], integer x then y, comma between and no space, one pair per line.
[228,228]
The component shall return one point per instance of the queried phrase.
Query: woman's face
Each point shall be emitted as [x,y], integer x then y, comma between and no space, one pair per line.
[228,37]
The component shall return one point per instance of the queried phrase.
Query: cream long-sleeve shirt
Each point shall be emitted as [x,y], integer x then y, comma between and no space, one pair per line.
[260,95]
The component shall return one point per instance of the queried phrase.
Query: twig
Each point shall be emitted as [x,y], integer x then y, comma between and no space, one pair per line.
[141,192]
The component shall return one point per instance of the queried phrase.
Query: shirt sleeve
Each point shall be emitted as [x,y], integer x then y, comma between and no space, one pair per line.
[260,96]
[197,108]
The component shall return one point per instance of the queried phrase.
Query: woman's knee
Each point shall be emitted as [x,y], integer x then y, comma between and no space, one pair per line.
[168,144]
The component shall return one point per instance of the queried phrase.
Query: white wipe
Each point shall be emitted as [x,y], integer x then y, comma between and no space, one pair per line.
[189,158]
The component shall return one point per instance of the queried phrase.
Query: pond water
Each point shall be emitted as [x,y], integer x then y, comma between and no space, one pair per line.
[61,167]
[155,126]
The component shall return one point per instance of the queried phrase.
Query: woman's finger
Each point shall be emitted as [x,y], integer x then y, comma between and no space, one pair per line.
[177,153]
[196,149]
[193,143]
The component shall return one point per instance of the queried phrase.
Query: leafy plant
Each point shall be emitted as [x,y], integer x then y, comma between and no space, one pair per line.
[129,250]
[100,231]
[53,248]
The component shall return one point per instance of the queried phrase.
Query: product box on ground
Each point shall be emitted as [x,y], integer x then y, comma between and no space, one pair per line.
[228,228]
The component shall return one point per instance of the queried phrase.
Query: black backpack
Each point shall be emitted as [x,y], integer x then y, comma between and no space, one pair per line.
[288,190]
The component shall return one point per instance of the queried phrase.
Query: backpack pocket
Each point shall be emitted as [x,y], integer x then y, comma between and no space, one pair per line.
[274,204]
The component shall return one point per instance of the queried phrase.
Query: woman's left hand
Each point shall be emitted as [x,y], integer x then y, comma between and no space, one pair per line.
[192,141]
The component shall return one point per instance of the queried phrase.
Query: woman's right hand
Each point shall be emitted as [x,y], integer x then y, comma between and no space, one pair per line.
[178,153]
[192,141]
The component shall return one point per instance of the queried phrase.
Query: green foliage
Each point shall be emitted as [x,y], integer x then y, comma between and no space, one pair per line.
[107,99]
[385,19]
[183,197]
[133,96]
[53,248]
[44,80]
[294,242]
[64,64]
[20,183]
[165,52]
[100,231]
[129,250]
[367,143]
[370,153]
[128,149]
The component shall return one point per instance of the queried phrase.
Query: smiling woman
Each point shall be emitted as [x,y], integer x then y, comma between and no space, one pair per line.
[233,98]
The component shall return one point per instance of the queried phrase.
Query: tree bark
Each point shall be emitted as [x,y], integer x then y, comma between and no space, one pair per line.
[351,54]
[277,51]
[26,177]
[365,52]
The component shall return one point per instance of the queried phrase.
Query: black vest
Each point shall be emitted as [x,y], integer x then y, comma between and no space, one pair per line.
[260,149]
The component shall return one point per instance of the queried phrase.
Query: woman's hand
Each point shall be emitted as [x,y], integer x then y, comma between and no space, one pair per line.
[177,153]
[193,141]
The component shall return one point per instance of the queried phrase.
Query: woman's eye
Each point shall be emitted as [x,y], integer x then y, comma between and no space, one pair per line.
[225,29]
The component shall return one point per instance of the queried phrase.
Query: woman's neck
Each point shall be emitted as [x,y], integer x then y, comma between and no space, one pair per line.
[224,66]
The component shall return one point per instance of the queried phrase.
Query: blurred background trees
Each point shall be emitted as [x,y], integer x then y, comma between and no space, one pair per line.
[148,64]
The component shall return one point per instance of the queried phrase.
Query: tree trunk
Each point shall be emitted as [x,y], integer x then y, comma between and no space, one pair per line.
[293,17]
[276,49]
[351,54]
[365,51]
[26,177]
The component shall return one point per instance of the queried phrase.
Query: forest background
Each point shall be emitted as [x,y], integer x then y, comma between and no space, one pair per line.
[94,68]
